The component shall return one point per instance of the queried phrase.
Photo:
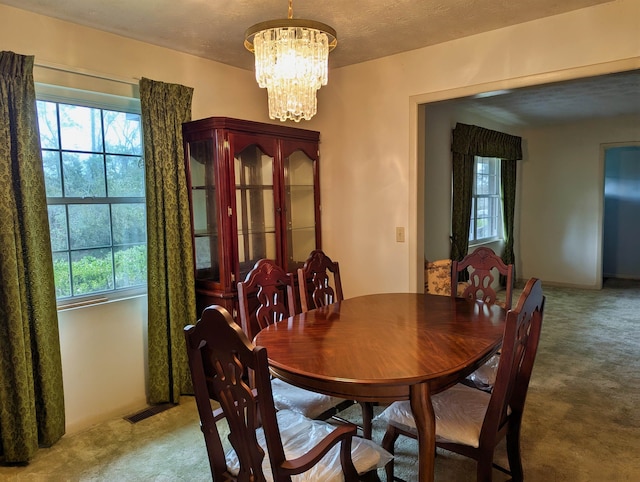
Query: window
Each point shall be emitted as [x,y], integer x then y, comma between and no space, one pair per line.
[94,176]
[486,206]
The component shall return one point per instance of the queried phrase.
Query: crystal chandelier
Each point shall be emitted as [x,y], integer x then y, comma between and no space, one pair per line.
[291,63]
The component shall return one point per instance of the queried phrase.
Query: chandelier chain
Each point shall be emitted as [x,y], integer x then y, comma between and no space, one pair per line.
[290,13]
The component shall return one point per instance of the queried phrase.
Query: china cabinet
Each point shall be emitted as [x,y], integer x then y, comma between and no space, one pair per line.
[254,194]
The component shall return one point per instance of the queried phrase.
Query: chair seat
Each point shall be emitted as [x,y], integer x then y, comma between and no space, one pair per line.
[299,434]
[484,377]
[459,413]
[308,403]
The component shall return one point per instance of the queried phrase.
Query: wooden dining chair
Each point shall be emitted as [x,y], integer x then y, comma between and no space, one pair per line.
[472,422]
[264,445]
[266,296]
[319,281]
[481,265]
[319,285]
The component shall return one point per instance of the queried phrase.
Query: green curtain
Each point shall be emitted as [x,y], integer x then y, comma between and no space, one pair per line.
[461,209]
[508,171]
[31,390]
[469,141]
[171,282]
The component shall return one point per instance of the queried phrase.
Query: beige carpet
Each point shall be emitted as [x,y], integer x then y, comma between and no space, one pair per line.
[581,421]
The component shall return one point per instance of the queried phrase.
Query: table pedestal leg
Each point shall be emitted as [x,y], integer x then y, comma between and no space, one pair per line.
[420,397]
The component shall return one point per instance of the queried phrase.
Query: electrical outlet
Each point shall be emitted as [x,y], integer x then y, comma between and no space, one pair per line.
[399,234]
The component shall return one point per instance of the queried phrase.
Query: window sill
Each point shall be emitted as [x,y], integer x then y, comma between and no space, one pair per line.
[98,300]
[485,242]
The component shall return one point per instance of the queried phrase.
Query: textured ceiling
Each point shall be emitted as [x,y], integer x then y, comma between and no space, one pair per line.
[367,29]
[608,95]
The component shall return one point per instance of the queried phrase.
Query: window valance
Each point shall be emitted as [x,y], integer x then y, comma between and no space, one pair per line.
[478,141]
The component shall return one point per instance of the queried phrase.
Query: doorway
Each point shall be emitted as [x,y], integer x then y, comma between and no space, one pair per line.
[621,229]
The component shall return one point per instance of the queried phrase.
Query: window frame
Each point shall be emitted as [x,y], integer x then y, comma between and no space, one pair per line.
[108,102]
[494,197]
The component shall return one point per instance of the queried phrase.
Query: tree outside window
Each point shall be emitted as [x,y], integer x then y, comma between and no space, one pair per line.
[94,175]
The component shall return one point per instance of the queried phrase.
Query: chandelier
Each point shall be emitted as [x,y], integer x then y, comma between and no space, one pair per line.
[291,63]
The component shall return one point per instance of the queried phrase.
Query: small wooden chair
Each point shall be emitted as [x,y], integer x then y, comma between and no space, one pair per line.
[266,296]
[314,281]
[480,265]
[472,422]
[262,441]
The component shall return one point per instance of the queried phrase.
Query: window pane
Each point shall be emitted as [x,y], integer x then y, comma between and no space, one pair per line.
[61,274]
[131,266]
[80,128]
[125,176]
[58,227]
[122,133]
[129,223]
[482,230]
[48,125]
[91,226]
[483,207]
[52,176]
[486,215]
[83,175]
[92,271]
[94,175]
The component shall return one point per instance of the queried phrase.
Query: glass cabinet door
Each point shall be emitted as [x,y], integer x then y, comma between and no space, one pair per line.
[204,206]
[300,209]
[255,209]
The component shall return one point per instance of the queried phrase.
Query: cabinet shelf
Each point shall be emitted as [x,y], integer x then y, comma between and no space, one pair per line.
[256,198]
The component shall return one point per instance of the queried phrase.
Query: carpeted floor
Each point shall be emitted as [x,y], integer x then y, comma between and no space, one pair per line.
[581,422]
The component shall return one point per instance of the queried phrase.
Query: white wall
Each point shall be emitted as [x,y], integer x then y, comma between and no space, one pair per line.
[104,346]
[562,196]
[104,359]
[368,120]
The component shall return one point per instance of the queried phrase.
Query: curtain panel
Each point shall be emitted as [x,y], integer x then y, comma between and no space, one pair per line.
[31,389]
[469,141]
[171,280]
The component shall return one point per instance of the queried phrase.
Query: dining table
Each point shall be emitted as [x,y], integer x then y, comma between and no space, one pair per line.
[387,347]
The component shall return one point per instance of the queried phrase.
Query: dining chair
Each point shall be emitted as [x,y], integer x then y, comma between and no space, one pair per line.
[480,265]
[319,285]
[319,281]
[472,422]
[263,444]
[266,296]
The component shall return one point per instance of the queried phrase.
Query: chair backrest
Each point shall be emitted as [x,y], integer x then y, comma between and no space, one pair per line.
[219,354]
[437,277]
[481,263]
[266,296]
[314,281]
[519,347]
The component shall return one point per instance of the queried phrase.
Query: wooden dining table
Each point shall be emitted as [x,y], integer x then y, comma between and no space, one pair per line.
[387,347]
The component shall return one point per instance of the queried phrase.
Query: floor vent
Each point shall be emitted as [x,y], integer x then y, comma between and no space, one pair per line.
[148,412]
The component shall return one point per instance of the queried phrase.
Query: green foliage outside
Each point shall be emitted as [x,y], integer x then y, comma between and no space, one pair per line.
[94,275]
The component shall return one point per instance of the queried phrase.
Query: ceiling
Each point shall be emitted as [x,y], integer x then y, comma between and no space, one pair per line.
[368,29]
[603,96]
